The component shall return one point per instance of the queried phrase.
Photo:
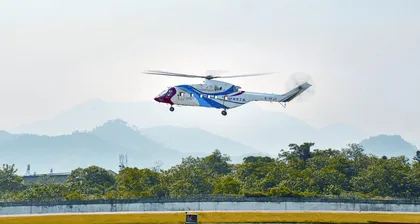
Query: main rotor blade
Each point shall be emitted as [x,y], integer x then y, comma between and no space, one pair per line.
[153,72]
[244,75]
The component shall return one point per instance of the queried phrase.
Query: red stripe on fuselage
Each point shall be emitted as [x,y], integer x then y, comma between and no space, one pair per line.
[238,93]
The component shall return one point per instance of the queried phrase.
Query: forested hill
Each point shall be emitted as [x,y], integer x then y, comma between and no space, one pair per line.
[250,125]
[102,146]
[388,145]
[300,172]
[145,147]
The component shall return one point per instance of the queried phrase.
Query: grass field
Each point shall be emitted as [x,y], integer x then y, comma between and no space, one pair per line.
[216,217]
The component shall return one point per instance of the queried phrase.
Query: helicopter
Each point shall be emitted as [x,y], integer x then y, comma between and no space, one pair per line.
[223,95]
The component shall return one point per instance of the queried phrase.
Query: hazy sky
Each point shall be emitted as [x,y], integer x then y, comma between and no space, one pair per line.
[364,55]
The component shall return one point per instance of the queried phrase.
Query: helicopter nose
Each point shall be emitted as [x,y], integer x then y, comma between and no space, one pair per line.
[158,99]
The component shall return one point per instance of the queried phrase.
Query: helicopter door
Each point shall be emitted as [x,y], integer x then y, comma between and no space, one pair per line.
[225,99]
[181,95]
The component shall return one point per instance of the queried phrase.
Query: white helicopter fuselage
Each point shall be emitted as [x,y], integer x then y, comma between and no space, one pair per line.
[221,95]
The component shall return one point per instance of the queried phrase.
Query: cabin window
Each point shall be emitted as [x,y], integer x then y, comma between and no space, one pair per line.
[225,98]
[192,94]
[208,96]
[181,93]
[215,97]
[201,95]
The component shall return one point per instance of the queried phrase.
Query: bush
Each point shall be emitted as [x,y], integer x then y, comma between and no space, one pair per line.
[282,191]
[255,194]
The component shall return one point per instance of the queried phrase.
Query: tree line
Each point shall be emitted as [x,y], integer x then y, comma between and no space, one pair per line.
[298,172]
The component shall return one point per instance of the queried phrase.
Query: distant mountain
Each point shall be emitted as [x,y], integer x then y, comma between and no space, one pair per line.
[245,131]
[119,132]
[196,140]
[4,136]
[61,153]
[249,125]
[101,146]
[389,145]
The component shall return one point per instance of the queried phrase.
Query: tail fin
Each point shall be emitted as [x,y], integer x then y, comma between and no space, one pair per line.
[289,96]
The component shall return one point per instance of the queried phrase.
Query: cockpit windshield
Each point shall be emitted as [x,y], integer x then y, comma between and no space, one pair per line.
[169,93]
[163,93]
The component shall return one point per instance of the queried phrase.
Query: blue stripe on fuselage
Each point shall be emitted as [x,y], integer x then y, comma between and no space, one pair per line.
[203,101]
[215,104]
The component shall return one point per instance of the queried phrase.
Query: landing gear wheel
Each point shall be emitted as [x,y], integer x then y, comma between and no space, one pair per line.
[224,113]
[171,109]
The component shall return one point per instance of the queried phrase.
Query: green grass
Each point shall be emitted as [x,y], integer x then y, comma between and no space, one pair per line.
[217,217]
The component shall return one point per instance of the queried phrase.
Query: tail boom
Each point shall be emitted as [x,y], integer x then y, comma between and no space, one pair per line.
[280,98]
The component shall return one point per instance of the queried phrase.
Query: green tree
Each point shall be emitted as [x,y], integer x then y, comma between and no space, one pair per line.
[297,155]
[358,160]
[276,172]
[43,192]
[354,151]
[384,178]
[298,172]
[303,151]
[328,181]
[283,191]
[414,180]
[253,171]
[417,156]
[9,180]
[137,183]
[217,164]
[330,169]
[227,186]
[91,180]
[190,178]
[257,159]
